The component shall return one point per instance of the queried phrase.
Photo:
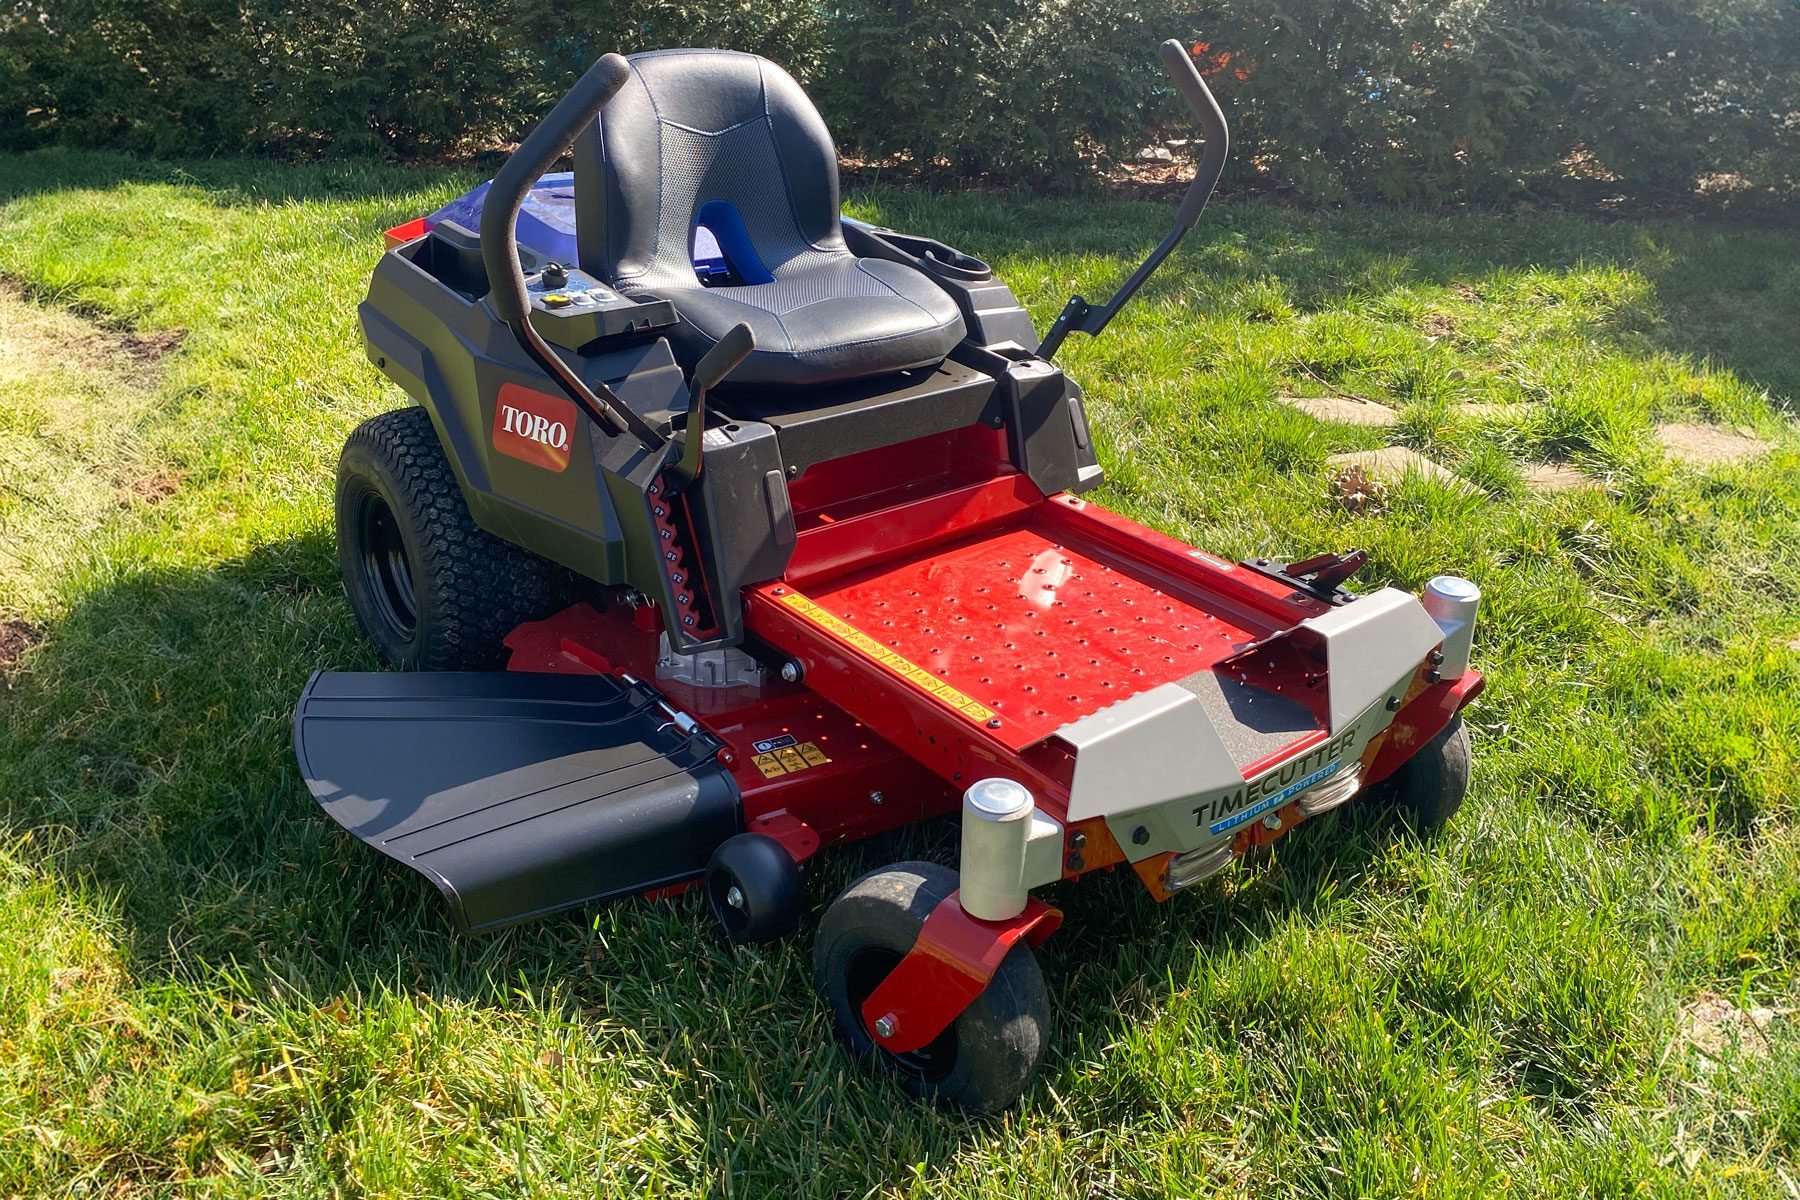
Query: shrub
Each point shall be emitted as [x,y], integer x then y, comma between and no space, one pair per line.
[401,77]
[1027,91]
[1417,101]
[1434,100]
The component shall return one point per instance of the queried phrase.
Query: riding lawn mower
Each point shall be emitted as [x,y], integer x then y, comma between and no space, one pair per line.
[775,521]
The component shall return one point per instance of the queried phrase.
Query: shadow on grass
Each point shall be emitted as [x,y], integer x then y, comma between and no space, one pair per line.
[1122,957]
[148,740]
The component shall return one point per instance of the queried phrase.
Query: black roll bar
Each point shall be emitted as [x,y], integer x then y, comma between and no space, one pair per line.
[500,244]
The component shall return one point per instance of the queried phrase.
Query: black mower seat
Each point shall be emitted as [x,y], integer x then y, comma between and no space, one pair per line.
[728,141]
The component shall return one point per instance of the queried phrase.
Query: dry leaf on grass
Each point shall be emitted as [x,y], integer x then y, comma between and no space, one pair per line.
[1359,492]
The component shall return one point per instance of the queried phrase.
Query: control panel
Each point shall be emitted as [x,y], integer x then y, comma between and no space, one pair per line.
[570,308]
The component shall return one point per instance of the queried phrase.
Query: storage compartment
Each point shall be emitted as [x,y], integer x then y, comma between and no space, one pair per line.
[451,255]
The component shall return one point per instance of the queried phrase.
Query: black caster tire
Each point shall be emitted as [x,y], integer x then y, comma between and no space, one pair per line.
[754,888]
[429,588]
[981,1064]
[1427,791]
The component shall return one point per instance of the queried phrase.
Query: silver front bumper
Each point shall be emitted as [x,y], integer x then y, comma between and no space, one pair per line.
[1186,870]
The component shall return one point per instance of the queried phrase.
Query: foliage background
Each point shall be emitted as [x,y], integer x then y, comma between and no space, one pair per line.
[1417,101]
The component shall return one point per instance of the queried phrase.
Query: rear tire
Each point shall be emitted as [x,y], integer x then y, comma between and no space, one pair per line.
[986,1059]
[1426,792]
[430,589]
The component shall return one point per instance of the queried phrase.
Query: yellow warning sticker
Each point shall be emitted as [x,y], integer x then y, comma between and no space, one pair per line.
[886,658]
[790,760]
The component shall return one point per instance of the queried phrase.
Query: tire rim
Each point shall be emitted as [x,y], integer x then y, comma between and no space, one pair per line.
[734,917]
[387,571]
[930,1063]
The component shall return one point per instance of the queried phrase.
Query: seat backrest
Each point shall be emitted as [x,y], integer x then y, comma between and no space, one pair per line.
[705,137]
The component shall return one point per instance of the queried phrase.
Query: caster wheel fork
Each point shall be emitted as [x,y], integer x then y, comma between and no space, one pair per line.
[985,1059]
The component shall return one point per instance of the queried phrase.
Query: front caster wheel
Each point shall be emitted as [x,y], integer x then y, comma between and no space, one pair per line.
[1429,788]
[984,1062]
[754,888]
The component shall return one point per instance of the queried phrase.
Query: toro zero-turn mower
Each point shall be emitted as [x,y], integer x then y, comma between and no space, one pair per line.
[775,521]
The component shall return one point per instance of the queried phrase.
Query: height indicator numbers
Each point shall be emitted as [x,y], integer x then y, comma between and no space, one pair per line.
[886,658]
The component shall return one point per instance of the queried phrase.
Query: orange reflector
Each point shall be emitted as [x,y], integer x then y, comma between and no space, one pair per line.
[399,235]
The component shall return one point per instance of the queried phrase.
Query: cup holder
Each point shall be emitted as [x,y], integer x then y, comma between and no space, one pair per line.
[940,259]
[958,265]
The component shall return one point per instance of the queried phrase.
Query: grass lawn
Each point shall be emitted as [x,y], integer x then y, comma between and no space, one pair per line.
[207,988]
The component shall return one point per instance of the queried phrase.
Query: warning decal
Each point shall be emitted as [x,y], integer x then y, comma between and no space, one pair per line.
[789,759]
[886,658]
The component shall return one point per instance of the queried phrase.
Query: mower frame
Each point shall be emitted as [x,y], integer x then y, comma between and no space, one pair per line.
[813,619]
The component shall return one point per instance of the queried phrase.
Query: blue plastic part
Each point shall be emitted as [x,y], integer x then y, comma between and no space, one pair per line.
[726,225]
[547,224]
[709,260]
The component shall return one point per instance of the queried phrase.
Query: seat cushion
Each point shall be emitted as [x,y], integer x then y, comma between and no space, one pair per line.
[729,142]
[842,318]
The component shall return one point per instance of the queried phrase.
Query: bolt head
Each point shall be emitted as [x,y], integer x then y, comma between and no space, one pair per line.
[993,723]
[790,671]
[1140,835]
[1393,703]
[1272,821]
[885,1026]
[1076,862]
[1078,840]
[735,897]
[877,799]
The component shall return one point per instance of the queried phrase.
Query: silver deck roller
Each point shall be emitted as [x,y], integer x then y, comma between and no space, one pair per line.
[1452,602]
[996,827]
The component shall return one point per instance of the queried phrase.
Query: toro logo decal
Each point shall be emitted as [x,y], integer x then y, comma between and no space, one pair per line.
[533,427]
